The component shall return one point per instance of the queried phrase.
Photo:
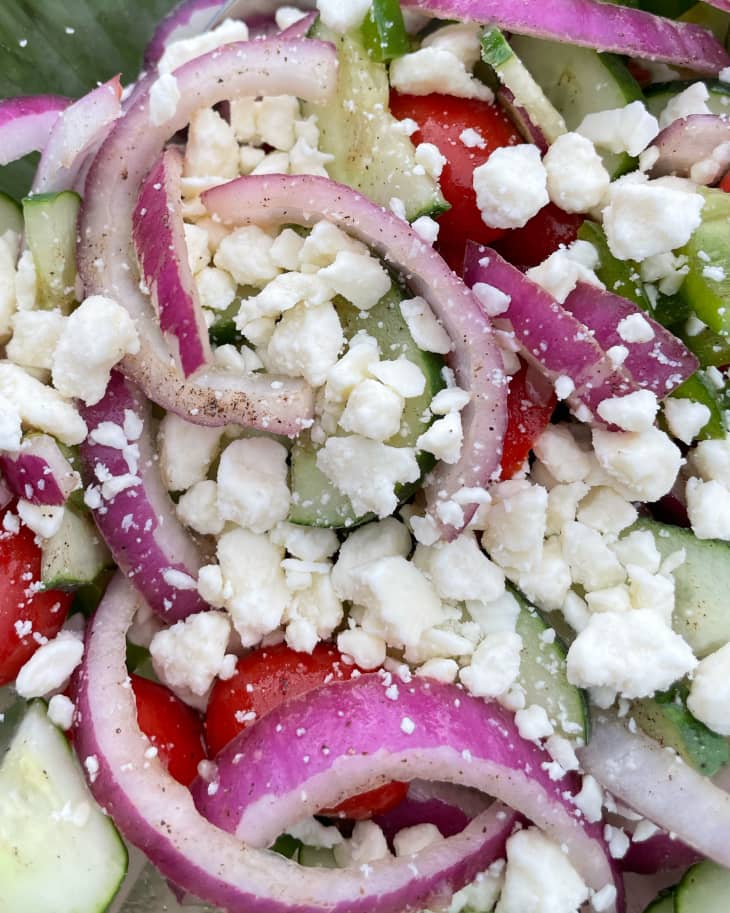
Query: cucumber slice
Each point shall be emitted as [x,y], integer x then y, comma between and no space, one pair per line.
[706,288]
[662,903]
[58,851]
[660,94]
[75,556]
[315,500]
[580,81]
[700,390]
[711,348]
[543,675]
[512,73]
[50,233]
[705,888]
[317,856]
[11,215]
[701,585]
[358,130]
[667,720]
[619,276]
[384,31]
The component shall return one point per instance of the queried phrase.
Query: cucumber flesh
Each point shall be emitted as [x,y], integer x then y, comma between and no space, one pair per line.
[357,128]
[315,500]
[317,856]
[619,276]
[663,903]
[50,233]
[544,678]
[661,93]
[11,215]
[705,888]
[702,583]
[528,94]
[75,556]
[58,851]
[700,390]
[580,81]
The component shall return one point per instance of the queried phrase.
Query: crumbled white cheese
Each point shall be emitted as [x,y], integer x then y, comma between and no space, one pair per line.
[692,100]
[635,328]
[565,268]
[494,666]
[511,186]
[533,723]
[190,653]
[94,338]
[558,450]
[212,149]
[633,412]
[37,405]
[198,508]
[642,464]
[709,697]
[246,254]
[50,667]
[576,178]
[252,483]
[359,278]
[164,98]
[628,129]
[444,438]
[427,332]
[436,69]
[708,508]
[35,337]
[179,52]
[411,840]
[341,17]
[373,410]
[306,342]
[368,650]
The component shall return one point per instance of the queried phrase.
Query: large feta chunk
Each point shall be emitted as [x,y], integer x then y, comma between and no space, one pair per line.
[628,129]
[198,508]
[94,338]
[189,654]
[460,570]
[511,186]
[211,149]
[576,178]
[634,653]
[709,697]
[559,451]
[35,337]
[444,438]
[515,525]
[367,472]
[341,17]
[436,69]
[494,666]
[306,342]
[252,483]
[246,254]
[708,508]
[642,464]
[592,563]
[185,49]
[381,539]
[38,406]
[633,412]
[428,334]
[186,451]
[373,410]
[359,278]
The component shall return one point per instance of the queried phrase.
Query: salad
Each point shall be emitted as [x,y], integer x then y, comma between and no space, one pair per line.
[365,465]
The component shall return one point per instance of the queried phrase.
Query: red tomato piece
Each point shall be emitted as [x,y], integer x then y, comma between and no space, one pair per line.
[266,677]
[26,616]
[543,234]
[529,410]
[725,183]
[441,120]
[175,729]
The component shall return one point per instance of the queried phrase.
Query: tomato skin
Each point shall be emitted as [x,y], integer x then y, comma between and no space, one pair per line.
[528,415]
[725,183]
[20,567]
[441,120]
[266,677]
[541,236]
[172,727]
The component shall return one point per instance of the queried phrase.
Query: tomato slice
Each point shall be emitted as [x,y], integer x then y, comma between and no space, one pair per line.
[27,615]
[266,677]
[442,119]
[725,183]
[175,729]
[530,405]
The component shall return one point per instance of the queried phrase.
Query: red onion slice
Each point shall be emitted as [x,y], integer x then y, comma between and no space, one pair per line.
[139,524]
[26,123]
[159,238]
[521,119]
[720,4]
[448,807]
[476,361]
[348,736]
[78,130]
[656,783]
[549,335]
[659,365]
[157,813]
[39,473]
[660,853]
[592,24]
[690,140]
[303,68]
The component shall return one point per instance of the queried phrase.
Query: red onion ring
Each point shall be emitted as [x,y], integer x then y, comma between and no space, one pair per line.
[139,524]
[659,785]
[77,130]
[26,123]
[689,140]
[157,813]
[272,67]
[476,361]
[448,807]
[602,26]
[159,239]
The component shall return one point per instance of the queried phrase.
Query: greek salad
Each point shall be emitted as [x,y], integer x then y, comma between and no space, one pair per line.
[365,470]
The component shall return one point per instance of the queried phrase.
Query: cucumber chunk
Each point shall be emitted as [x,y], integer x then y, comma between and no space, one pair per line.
[662,903]
[317,856]
[75,556]
[701,390]
[543,675]
[619,276]
[50,233]
[580,81]
[528,94]
[315,500]
[384,31]
[58,851]
[666,719]
[705,888]
[702,583]
[357,128]
[11,215]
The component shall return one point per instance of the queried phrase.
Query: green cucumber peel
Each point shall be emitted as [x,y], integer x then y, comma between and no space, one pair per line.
[384,32]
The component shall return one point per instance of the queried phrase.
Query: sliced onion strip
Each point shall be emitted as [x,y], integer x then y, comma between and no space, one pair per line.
[139,524]
[476,361]
[26,124]
[590,23]
[39,472]
[159,239]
